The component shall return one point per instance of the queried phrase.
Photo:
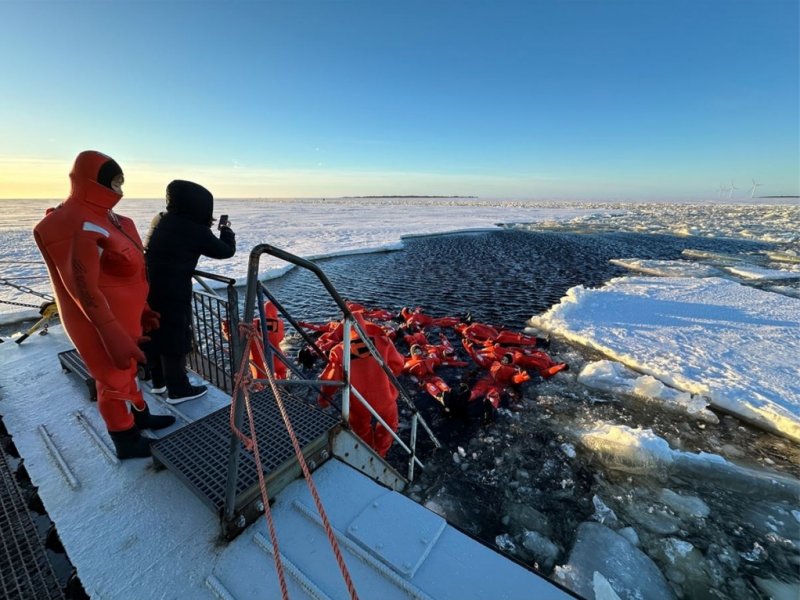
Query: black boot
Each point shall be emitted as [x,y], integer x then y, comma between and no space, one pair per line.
[145,420]
[130,443]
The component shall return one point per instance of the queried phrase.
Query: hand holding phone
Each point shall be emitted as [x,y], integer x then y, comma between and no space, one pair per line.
[223,222]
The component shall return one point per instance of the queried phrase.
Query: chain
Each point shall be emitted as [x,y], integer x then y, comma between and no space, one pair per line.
[27,290]
[19,304]
[22,262]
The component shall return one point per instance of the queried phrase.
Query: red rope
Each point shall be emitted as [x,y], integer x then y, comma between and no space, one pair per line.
[252,335]
[242,381]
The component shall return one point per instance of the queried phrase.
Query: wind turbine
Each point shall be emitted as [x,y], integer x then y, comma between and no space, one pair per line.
[755,185]
[722,190]
[730,190]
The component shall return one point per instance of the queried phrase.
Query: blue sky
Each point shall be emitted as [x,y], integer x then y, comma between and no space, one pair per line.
[639,99]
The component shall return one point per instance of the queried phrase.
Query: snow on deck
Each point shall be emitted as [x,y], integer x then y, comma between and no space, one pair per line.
[737,345]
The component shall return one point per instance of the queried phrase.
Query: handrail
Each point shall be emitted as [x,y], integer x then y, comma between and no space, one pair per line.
[251,294]
[215,277]
[201,276]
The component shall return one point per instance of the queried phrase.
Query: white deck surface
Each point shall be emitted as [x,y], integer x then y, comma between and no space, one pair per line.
[134,532]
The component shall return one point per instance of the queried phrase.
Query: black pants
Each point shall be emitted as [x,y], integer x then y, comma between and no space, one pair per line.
[169,370]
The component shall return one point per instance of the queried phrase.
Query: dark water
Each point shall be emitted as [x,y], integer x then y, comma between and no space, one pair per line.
[503,277]
[499,479]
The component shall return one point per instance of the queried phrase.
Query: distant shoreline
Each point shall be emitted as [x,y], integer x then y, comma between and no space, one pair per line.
[408,196]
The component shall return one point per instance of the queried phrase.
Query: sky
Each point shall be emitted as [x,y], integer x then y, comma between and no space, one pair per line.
[566,100]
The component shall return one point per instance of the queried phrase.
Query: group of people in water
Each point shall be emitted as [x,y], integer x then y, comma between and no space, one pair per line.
[495,364]
[125,303]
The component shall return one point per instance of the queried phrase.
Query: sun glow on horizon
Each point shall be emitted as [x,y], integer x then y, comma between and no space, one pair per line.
[33,178]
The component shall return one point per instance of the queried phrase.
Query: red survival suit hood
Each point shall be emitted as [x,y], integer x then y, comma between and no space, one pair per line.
[91,177]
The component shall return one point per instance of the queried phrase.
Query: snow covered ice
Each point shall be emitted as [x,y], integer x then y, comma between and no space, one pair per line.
[733,344]
[700,504]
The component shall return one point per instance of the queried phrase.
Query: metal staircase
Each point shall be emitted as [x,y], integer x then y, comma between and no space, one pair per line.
[199,454]
[207,456]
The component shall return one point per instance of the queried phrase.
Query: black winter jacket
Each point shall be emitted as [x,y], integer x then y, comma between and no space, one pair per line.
[177,239]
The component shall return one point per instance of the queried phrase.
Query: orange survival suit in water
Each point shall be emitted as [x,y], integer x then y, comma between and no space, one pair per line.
[275,333]
[367,376]
[96,265]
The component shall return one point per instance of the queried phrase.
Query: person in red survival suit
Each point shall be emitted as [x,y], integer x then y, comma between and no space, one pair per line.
[96,265]
[422,367]
[374,314]
[506,373]
[275,334]
[416,319]
[503,376]
[367,376]
[477,333]
[530,358]
[483,356]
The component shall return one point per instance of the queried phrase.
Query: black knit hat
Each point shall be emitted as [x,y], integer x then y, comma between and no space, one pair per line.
[107,172]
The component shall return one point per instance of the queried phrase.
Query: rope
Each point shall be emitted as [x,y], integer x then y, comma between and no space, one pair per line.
[242,382]
[249,331]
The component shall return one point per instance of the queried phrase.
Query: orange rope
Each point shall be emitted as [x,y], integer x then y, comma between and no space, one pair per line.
[242,381]
[251,334]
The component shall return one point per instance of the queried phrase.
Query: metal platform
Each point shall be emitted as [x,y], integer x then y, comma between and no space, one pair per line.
[72,362]
[25,571]
[198,453]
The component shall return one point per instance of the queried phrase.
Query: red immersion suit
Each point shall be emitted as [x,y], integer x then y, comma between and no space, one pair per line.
[514,338]
[529,358]
[483,356]
[541,362]
[422,368]
[96,265]
[488,387]
[367,376]
[418,320]
[417,337]
[444,353]
[501,377]
[275,333]
[478,333]
[375,314]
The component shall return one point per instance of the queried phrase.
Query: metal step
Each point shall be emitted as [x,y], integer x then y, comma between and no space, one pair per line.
[25,571]
[198,453]
[72,362]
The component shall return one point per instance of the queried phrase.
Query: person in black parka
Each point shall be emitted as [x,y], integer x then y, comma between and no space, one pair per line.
[177,240]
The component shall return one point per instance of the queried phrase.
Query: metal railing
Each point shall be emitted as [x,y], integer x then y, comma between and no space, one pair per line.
[257,291]
[213,352]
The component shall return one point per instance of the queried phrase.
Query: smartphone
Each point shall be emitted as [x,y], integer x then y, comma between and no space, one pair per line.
[223,221]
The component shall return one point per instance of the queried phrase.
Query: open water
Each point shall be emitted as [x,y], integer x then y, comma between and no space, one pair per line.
[520,478]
